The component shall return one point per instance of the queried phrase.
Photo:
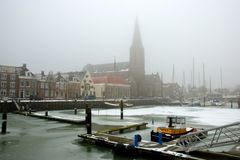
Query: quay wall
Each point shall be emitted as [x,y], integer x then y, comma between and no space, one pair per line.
[42,105]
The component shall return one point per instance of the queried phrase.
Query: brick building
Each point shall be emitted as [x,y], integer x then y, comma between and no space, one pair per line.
[111,87]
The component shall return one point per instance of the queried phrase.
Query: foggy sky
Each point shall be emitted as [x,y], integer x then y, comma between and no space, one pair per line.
[65,35]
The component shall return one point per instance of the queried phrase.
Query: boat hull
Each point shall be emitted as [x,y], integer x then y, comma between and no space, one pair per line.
[167,137]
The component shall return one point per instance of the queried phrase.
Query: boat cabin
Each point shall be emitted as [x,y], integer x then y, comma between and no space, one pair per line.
[174,121]
[176,126]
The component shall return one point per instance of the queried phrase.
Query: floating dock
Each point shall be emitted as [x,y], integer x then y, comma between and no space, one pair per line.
[148,149]
[126,146]
[127,128]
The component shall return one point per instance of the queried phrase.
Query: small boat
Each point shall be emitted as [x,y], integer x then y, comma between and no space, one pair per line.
[117,104]
[176,127]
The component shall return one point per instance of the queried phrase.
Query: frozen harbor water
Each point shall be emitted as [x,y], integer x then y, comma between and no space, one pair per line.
[33,138]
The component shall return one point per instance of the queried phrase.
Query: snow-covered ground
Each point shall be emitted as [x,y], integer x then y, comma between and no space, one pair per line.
[207,116]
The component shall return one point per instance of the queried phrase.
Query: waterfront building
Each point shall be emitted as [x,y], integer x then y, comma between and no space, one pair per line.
[27,84]
[9,80]
[153,85]
[172,91]
[46,85]
[111,87]
[61,85]
[79,85]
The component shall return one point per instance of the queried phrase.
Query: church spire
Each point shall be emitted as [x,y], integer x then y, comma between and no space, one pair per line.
[137,61]
[137,36]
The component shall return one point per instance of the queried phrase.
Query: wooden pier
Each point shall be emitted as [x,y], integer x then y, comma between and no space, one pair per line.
[123,129]
[54,118]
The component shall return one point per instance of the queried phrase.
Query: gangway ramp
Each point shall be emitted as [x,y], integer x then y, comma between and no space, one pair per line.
[16,104]
[210,138]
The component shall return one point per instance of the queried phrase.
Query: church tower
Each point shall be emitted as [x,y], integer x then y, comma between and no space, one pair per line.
[137,63]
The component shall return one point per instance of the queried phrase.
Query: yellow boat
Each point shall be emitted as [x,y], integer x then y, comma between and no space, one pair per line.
[176,127]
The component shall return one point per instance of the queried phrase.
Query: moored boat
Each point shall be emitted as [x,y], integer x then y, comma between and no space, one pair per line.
[176,127]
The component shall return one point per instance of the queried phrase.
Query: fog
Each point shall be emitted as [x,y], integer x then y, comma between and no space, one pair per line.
[63,35]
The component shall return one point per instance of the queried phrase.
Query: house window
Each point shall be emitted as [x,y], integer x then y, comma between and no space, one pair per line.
[27,83]
[46,85]
[22,94]
[3,84]
[12,84]
[75,79]
[3,92]
[13,77]
[42,85]
[27,93]
[12,93]
[4,76]
[46,93]
[22,83]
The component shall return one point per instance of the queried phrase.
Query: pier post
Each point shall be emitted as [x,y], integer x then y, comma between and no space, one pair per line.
[30,111]
[239,102]
[160,138]
[204,100]
[88,119]
[121,107]
[46,113]
[137,138]
[75,111]
[4,117]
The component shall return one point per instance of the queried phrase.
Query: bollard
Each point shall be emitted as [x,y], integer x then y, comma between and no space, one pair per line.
[75,111]
[231,104]
[4,123]
[46,113]
[160,138]
[152,121]
[239,102]
[136,140]
[30,111]
[88,119]
[204,101]
[121,107]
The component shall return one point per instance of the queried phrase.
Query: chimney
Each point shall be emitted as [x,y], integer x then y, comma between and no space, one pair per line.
[42,73]
[24,65]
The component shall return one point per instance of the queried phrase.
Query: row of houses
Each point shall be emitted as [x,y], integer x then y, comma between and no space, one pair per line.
[20,82]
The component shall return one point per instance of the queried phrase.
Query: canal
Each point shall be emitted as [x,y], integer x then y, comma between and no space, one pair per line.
[32,138]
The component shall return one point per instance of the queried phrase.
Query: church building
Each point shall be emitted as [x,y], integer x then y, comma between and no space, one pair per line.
[142,85]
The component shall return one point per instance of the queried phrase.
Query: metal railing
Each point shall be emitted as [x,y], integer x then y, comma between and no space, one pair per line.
[210,138]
